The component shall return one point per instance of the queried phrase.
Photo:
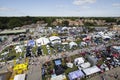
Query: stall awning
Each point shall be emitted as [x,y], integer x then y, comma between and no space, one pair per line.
[91,70]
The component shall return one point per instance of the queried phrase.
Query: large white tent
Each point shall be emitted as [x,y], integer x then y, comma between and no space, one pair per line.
[19,77]
[79,60]
[71,44]
[42,41]
[91,70]
[64,28]
[55,39]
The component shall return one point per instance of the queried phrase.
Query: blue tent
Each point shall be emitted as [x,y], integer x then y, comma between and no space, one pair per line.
[58,62]
[75,75]
[31,43]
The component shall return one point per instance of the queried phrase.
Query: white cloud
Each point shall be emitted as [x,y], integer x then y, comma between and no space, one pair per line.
[85,7]
[6,9]
[116,4]
[60,6]
[82,2]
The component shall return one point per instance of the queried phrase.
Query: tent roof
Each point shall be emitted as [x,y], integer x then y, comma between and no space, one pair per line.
[91,70]
[53,38]
[79,60]
[106,37]
[71,44]
[31,43]
[59,77]
[19,77]
[75,74]
[64,28]
[85,65]
[116,47]
[43,41]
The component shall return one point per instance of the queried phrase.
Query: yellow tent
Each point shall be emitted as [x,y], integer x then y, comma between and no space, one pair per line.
[20,67]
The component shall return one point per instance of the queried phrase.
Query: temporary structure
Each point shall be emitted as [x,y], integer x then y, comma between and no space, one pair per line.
[31,43]
[64,28]
[59,77]
[91,70]
[71,44]
[106,37]
[79,60]
[55,39]
[85,65]
[42,41]
[18,49]
[83,44]
[70,65]
[19,77]
[19,68]
[76,74]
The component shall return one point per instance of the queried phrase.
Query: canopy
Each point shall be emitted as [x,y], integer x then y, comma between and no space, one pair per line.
[91,70]
[52,38]
[64,28]
[96,36]
[79,60]
[18,49]
[20,67]
[31,43]
[71,44]
[85,65]
[70,65]
[104,37]
[83,44]
[76,74]
[58,62]
[42,41]
[19,77]
[59,77]
[116,47]
[55,39]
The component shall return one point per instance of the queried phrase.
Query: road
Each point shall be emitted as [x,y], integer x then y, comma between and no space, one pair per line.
[34,69]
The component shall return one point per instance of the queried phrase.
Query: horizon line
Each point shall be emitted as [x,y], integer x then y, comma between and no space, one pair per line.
[59,16]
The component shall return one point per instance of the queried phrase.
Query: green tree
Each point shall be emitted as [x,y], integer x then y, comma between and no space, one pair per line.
[0,25]
[65,23]
[14,22]
[88,24]
[118,22]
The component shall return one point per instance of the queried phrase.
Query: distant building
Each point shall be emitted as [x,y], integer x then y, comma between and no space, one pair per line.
[8,32]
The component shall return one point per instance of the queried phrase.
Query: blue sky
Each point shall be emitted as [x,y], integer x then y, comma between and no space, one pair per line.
[86,8]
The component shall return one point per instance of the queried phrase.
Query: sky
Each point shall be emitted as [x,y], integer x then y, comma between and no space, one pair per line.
[82,8]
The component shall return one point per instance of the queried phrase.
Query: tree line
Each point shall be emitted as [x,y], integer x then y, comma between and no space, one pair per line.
[11,22]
